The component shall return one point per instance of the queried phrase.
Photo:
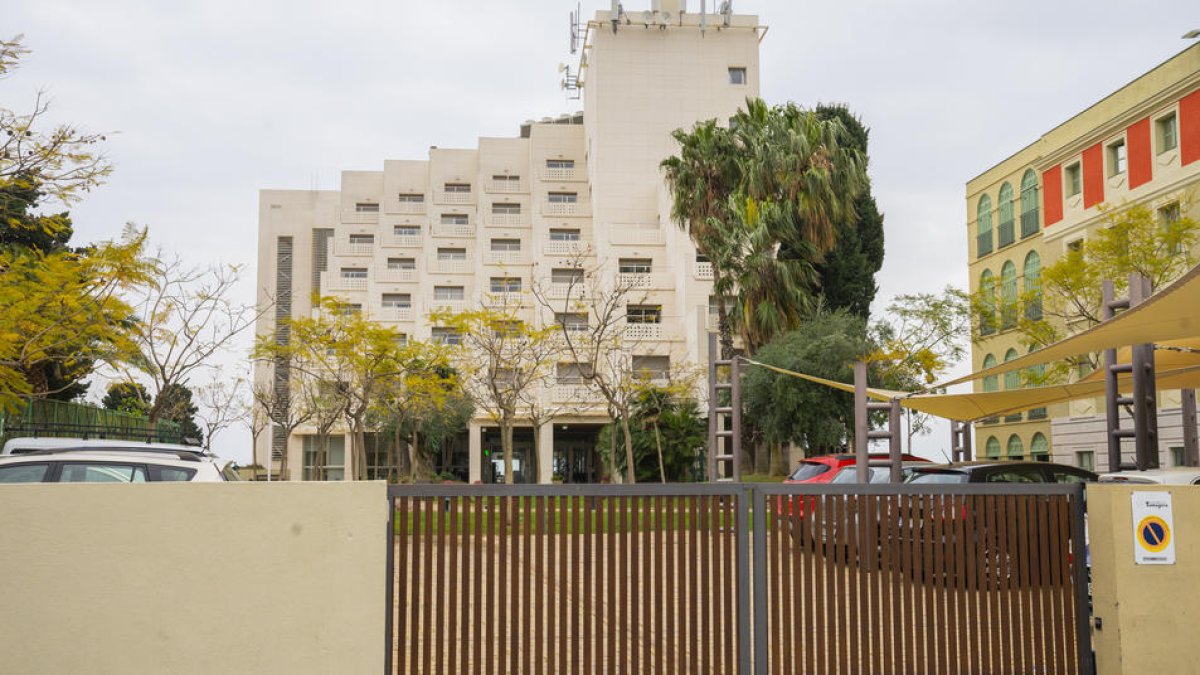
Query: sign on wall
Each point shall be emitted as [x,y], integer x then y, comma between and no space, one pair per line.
[1153,529]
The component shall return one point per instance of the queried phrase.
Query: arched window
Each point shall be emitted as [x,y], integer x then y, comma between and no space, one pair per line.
[1029,204]
[1012,380]
[990,382]
[983,221]
[1036,375]
[1039,448]
[992,448]
[1033,286]
[1016,450]
[987,303]
[1008,295]
[1005,213]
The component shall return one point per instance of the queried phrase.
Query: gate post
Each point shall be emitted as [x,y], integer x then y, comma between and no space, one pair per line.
[1143,399]
[1191,446]
[960,441]
[862,429]
[720,438]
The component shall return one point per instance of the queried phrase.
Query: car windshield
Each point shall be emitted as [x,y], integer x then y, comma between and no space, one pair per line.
[809,470]
[950,477]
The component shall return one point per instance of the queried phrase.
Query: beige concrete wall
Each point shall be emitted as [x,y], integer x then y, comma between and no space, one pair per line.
[1149,613]
[193,578]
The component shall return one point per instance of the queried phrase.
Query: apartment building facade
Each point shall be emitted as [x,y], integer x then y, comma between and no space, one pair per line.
[1139,145]
[449,231]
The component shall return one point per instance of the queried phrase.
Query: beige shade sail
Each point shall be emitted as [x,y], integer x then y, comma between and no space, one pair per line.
[1171,314]
[980,405]
[1168,355]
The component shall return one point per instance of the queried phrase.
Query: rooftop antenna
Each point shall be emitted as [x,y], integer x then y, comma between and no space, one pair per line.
[574,28]
[615,14]
[703,16]
[726,13]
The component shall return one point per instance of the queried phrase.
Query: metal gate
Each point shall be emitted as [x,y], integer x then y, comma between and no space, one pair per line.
[736,578]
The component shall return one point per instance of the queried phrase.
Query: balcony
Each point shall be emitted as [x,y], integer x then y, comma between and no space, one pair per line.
[409,207]
[562,290]
[638,236]
[454,306]
[452,230]
[512,299]
[505,258]
[507,220]
[983,243]
[562,175]
[338,283]
[561,247]
[397,276]
[1029,223]
[644,331]
[392,313]
[444,197]
[703,270]
[1007,235]
[352,217]
[452,267]
[506,186]
[574,393]
[566,209]
[642,281]
[344,248]
[406,240]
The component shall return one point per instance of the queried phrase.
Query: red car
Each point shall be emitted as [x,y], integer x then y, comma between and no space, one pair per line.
[823,468]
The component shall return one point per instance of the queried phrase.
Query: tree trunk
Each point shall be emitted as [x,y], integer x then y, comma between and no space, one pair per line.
[762,458]
[506,446]
[662,471]
[778,460]
[283,457]
[630,469]
[610,461]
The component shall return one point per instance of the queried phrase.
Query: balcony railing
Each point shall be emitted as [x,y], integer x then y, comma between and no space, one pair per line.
[704,270]
[507,219]
[644,331]
[634,236]
[408,240]
[983,243]
[565,209]
[506,186]
[563,290]
[1007,235]
[642,281]
[346,283]
[351,216]
[396,276]
[409,207]
[381,313]
[569,393]
[450,230]
[560,247]
[444,197]
[448,305]
[512,299]
[1029,223]
[563,175]
[505,258]
[452,266]
[354,249]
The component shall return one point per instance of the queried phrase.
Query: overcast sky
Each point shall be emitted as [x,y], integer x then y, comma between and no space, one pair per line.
[208,102]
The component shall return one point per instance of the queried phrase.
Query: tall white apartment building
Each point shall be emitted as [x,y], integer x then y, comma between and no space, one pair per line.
[443,231]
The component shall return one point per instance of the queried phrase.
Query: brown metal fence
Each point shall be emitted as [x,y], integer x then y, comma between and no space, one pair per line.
[723,578]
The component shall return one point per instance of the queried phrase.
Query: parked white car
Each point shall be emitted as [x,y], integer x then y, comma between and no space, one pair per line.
[1178,475]
[67,460]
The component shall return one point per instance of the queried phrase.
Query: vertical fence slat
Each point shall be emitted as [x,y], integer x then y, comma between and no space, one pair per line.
[563,585]
[1057,622]
[935,585]
[454,588]
[399,644]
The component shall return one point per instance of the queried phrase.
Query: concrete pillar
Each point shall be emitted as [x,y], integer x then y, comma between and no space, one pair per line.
[475,451]
[546,453]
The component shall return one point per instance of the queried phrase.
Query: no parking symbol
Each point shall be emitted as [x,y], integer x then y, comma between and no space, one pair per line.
[1153,525]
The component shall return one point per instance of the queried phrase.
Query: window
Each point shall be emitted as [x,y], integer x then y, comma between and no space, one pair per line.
[452,254]
[1008,295]
[1012,380]
[354,273]
[1016,474]
[566,276]
[397,300]
[506,285]
[505,178]
[511,329]
[563,197]
[987,303]
[1166,133]
[1033,286]
[1176,456]
[983,220]
[560,164]
[1075,246]
[1037,377]
[460,188]
[506,244]
[990,382]
[23,473]
[170,474]
[1116,158]
[737,75]
[503,208]
[327,465]
[448,293]
[446,336]
[455,219]
[350,309]
[572,322]
[102,473]
[1039,448]
[1029,204]
[362,239]
[1005,209]
[1073,179]
[643,314]
[366,207]
[402,263]
[1016,449]
[406,230]
[992,448]
[401,339]
[634,266]
[564,235]
[411,198]
[651,367]
[1086,459]
[572,373]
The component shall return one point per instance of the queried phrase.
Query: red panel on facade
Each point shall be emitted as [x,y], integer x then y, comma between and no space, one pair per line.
[1140,167]
[1093,176]
[1052,194]
[1189,128]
